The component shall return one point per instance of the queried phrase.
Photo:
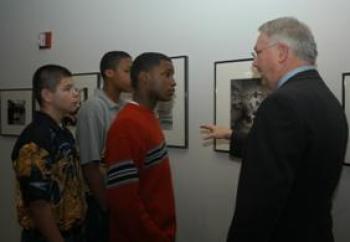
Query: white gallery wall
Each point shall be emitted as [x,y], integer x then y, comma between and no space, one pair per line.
[206,31]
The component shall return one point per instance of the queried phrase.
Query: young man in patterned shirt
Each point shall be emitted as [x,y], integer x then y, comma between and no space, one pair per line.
[50,198]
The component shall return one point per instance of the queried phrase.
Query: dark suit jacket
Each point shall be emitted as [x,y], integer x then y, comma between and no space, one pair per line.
[238,143]
[291,165]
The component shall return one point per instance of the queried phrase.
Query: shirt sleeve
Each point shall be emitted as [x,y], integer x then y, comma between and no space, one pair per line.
[90,133]
[123,200]
[268,171]
[34,175]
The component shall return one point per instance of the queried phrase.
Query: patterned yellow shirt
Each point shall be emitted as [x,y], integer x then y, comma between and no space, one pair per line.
[46,166]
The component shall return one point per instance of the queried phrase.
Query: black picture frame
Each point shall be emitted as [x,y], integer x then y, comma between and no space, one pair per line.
[89,82]
[346,107]
[16,110]
[227,75]
[173,115]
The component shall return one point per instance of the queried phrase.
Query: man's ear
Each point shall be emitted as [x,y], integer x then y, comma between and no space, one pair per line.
[109,73]
[46,95]
[284,52]
[143,78]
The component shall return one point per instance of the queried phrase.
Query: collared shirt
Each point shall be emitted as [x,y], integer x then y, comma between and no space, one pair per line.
[293,72]
[94,119]
[47,167]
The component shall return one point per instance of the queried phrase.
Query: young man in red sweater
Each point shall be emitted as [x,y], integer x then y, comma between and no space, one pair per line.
[140,196]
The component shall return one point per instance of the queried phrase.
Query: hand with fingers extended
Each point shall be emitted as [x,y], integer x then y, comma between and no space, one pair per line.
[212,131]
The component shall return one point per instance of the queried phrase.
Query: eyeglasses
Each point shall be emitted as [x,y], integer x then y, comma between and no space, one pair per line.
[256,53]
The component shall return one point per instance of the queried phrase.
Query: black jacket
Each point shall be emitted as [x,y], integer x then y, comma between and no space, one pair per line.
[291,165]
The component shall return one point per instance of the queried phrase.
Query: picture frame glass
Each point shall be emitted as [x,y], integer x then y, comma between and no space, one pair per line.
[173,114]
[16,110]
[238,94]
[346,106]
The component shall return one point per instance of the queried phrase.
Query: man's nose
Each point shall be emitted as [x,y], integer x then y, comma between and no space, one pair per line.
[173,82]
[254,64]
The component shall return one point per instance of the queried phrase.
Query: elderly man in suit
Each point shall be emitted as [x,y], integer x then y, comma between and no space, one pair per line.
[293,156]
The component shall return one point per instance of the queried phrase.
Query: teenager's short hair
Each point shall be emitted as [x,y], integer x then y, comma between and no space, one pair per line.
[145,62]
[111,59]
[48,77]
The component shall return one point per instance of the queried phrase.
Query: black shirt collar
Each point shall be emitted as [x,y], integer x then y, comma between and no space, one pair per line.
[42,117]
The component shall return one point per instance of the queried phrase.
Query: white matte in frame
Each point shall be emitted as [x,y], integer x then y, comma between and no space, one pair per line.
[225,71]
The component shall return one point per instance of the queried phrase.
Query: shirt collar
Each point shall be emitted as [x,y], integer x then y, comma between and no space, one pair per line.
[293,72]
[141,106]
[40,117]
[111,104]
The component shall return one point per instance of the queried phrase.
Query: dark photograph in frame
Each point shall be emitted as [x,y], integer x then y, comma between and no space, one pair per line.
[16,110]
[238,92]
[246,97]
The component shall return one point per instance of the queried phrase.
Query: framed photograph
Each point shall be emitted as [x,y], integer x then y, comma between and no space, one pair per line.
[173,114]
[346,106]
[16,110]
[238,93]
[87,83]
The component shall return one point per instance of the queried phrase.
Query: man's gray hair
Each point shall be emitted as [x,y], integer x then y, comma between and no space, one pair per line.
[293,33]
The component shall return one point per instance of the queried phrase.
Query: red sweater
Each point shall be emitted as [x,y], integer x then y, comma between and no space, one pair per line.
[139,189]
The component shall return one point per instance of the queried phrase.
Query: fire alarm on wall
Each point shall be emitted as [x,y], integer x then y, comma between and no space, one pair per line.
[45,40]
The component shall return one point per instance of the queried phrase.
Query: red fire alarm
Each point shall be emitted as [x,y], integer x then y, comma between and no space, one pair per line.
[45,40]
